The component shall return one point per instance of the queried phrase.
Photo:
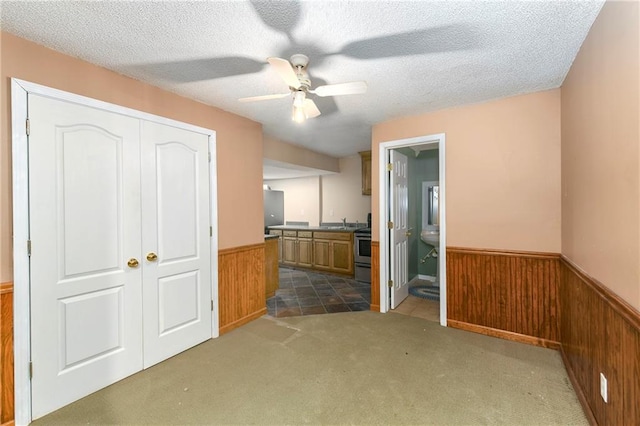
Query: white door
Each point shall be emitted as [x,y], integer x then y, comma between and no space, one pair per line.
[398,214]
[107,192]
[86,302]
[175,240]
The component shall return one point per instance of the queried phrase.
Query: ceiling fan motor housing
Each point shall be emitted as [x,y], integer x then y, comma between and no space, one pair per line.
[299,63]
[305,83]
[299,60]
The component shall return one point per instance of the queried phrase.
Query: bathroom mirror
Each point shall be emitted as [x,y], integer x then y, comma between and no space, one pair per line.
[430,204]
[433,205]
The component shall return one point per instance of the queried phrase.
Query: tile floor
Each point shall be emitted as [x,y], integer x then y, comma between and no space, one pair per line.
[420,308]
[309,293]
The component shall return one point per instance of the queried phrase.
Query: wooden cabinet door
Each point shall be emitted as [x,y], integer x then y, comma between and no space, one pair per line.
[342,257]
[305,252]
[321,256]
[289,250]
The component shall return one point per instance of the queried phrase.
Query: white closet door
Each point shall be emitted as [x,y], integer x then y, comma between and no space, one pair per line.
[86,301]
[175,228]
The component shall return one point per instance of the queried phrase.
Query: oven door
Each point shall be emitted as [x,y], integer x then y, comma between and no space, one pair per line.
[362,249]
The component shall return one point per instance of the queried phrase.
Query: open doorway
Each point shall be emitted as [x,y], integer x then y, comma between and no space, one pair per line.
[412,219]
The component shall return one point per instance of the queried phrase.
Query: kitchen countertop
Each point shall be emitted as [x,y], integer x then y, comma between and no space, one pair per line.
[314,228]
[270,237]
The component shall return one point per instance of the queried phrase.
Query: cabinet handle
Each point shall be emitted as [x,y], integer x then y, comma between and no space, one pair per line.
[152,257]
[133,263]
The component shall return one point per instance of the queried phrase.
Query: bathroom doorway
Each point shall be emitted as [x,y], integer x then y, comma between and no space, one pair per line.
[419,263]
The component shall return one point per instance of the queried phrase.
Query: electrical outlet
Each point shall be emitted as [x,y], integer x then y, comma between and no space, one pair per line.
[603,388]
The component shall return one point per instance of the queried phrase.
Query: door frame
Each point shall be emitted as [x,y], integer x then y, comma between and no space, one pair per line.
[20,90]
[383,213]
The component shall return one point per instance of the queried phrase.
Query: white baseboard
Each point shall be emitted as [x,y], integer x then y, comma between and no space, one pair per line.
[431,278]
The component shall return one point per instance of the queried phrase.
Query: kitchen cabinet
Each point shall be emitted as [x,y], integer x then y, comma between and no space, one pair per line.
[342,257]
[333,252]
[365,157]
[321,249]
[297,248]
[305,249]
[289,246]
[326,251]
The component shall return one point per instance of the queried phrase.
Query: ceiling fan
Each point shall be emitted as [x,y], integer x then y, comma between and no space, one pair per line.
[294,74]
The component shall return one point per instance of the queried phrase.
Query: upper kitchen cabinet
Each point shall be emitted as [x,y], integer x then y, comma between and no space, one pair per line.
[365,156]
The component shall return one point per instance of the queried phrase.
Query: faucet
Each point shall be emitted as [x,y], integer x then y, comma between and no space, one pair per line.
[344,222]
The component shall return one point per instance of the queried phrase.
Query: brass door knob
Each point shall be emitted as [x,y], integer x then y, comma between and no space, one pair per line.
[152,257]
[407,234]
[133,262]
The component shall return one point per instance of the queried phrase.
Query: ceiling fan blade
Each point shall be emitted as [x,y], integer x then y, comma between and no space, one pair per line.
[264,97]
[352,88]
[310,108]
[327,104]
[284,68]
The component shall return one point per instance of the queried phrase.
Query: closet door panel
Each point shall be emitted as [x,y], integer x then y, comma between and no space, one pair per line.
[86,301]
[175,236]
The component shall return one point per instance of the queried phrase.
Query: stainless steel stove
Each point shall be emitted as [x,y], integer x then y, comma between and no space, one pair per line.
[362,254]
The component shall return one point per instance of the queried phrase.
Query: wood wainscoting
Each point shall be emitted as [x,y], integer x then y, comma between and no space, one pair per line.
[507,294]
[6,354]
[600,333]
[241,285]
[375,276]
[271,270]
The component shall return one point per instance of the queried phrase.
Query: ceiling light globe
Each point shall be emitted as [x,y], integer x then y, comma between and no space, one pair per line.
[298,98]
[298,115]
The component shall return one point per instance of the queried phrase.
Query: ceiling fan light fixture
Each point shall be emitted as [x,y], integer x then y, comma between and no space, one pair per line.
[295,75]
[298,98]
[298,115]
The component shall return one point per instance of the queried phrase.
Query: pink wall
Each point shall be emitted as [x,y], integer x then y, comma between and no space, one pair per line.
[239,140]
[601,153]
[502,170]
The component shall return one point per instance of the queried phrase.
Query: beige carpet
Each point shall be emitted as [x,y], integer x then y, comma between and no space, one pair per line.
[349,368]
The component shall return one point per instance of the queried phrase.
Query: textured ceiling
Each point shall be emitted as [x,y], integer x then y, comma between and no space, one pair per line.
[416,56]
